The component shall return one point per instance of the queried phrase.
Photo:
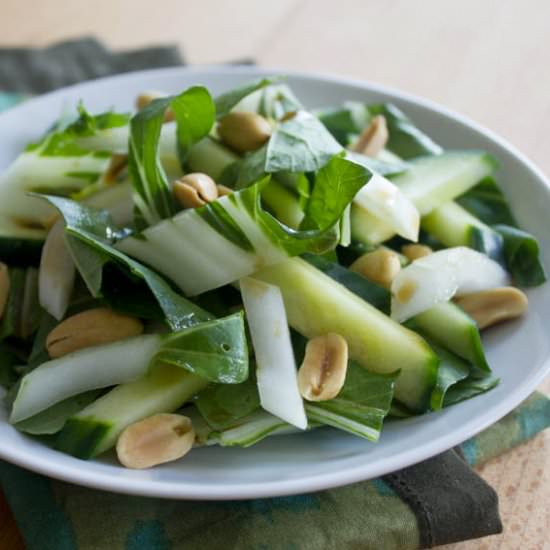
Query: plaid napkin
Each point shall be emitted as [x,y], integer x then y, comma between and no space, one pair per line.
[439,501]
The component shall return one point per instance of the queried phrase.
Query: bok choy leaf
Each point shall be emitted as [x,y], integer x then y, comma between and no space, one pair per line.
[276,367]
[194,112]
[92,235]
[300,144]
[223,405]
[361,405]
[226,101]
[204,248]
[215,350]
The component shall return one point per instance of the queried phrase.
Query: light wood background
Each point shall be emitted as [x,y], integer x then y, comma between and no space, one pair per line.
[488,59]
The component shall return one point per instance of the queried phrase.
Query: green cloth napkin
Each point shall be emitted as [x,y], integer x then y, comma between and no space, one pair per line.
[439,501]
[53,515]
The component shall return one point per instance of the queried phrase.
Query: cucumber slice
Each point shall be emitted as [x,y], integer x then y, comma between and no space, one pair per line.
[210,157]
[432,181]
[452,225]
[96,428]
[450,327]
[316,304]
[87,369]
[429,183]
[283,203]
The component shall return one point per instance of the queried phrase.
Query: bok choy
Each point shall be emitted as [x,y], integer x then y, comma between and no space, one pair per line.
[108,203]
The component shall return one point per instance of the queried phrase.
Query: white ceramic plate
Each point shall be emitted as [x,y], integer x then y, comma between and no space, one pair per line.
[519,352]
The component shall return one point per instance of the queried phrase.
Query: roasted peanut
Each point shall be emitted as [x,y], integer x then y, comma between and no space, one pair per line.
[194,190]
[244,132]
[323,371]
[145,98]
[380,266]
[373,138]
[4,287]
[155,440]
[91,328]
[489,307]
[414,251]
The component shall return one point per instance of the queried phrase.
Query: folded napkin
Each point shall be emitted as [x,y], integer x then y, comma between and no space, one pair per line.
[439,501]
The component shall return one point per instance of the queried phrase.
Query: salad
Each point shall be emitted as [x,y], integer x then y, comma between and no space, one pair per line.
[218,270]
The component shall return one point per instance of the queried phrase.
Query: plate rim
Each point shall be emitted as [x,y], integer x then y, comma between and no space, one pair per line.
[152,488]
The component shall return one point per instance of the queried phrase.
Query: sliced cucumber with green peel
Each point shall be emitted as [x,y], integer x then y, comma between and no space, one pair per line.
[96,428]
[452,225]
[432,181]
[429,183]
[316,304]
[453,329]
[283,203]
[210,157]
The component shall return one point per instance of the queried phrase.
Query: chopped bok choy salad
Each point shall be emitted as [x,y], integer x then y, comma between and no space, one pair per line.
[217,270]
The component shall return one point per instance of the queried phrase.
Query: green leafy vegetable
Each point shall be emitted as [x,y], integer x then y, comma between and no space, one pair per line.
[92,249]
[487,202]
[300,144]
[194,112]
[64,139]
[222,405]
[226,101]
[215,350]
[53,419]
[336,184]
[405,140]
[376,165]
[522,256]
[345,122]
[240,219]
[520,249]
[277,100]
[451,370]
[468,388]
[250,430]
[361,405]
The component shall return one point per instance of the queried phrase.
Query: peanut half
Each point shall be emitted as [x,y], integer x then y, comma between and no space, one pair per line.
[414,251]
[91,328]
[323,371]
[380,266]
[4,287]
[195,190]
[489,307]
[244,132]
[373,138]
[145,98]
[155,440]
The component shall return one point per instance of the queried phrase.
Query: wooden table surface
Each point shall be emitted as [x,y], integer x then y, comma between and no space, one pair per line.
[488,59]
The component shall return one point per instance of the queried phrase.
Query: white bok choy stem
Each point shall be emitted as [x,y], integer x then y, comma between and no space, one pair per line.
[386,202]
[90,368]
[276,366]
[436,278]
[57,273]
